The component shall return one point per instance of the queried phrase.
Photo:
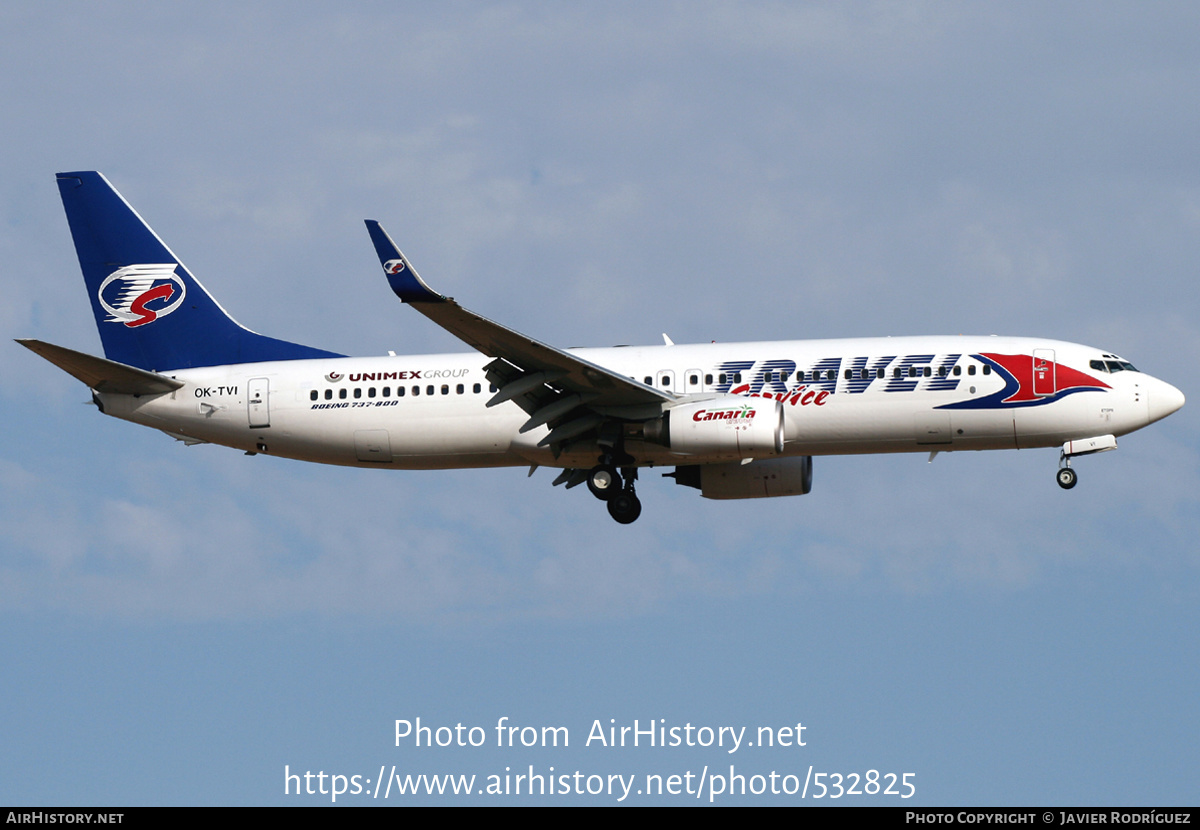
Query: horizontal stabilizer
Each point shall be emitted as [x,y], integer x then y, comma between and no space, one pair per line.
[103,375]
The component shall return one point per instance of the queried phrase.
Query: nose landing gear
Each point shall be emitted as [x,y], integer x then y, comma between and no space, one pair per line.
[1066,477]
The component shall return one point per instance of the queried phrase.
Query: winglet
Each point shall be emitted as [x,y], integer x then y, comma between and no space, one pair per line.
[402,277]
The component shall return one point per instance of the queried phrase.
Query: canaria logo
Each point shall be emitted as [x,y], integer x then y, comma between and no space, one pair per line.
[139,294]
[394,266]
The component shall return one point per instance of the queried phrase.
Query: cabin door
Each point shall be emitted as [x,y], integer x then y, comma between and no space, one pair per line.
[1044,381]
[258,405]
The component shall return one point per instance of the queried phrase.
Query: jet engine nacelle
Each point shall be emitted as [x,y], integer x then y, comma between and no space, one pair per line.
[733,427]
[761,478]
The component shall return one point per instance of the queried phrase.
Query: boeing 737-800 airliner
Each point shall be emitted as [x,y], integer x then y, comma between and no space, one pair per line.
[735,420]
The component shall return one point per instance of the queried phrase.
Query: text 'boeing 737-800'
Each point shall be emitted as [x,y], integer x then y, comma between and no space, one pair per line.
[734,420]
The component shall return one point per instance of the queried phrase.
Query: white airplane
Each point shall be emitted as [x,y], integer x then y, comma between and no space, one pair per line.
[735,420]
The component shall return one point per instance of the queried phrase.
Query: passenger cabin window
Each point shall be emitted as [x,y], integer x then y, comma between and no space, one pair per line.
[476,388]
[693,379]
[987,370]
[971,369]
[357,392]
[649,381]
[328,394]
[342,394]
[708,380]
[312,396]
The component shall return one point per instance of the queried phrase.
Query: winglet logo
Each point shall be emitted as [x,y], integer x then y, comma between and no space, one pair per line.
[139,294]
[394,266]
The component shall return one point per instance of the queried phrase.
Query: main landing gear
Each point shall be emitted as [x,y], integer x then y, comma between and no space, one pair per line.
[625,506]
[604,481]
[606,484]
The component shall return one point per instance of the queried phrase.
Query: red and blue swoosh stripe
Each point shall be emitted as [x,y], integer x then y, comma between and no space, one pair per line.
[1017,372]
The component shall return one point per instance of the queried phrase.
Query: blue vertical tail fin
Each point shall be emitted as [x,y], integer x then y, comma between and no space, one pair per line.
[151,312]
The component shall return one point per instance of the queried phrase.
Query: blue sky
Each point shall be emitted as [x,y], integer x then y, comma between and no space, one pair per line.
[178,624]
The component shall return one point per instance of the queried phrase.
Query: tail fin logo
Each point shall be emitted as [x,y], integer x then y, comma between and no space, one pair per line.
[394,266]
[139,294]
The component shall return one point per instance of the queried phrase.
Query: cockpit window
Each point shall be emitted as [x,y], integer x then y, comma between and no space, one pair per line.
[1112,366]
[1119,366]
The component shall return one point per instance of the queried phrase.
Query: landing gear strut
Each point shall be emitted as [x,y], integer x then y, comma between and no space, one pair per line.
[1065,476]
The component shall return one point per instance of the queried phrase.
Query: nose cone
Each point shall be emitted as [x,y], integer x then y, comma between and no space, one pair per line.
[1164,399]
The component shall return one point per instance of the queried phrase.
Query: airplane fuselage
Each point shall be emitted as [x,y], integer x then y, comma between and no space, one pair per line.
[877,395]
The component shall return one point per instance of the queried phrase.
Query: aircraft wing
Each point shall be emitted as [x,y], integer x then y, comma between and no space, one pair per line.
[525,370]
